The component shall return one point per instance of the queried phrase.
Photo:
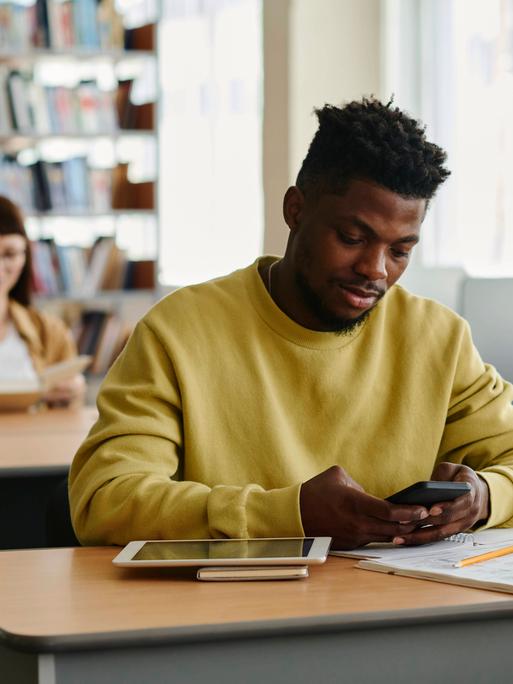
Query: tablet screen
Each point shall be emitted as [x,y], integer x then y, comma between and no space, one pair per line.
[224,549]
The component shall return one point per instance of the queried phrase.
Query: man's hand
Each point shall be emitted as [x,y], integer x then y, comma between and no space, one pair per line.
[455,516]
[334,505]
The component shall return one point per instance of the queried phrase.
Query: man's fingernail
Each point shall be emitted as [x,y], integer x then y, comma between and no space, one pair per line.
[398,540]
[435,511]
[423,515]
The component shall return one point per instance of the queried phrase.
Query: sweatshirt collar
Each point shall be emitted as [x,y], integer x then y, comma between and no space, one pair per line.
[284,326]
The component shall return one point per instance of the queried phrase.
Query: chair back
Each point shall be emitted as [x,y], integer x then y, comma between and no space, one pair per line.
[487,304]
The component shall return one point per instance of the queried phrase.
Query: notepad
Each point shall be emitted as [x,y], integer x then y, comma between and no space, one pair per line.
[436,562]
[21,394]
[393,552]
[258,572]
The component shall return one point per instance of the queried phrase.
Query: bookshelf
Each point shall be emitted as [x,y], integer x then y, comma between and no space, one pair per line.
[78,152]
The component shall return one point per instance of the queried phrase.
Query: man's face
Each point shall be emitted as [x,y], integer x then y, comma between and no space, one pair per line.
[348,249]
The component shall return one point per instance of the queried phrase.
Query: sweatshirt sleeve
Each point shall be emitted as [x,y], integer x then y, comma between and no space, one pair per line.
[125,480]
[479,428]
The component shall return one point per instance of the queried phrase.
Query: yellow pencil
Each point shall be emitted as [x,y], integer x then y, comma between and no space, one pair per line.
[483,557]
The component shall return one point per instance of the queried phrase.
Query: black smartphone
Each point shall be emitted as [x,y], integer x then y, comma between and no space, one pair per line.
[430,492]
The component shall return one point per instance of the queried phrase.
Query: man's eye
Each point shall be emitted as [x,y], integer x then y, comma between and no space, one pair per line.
[400,254]
[348,240]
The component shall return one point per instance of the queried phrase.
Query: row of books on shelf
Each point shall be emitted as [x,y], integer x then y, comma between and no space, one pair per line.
[84,272]
[102,335]
[60,24]
[29,107]
[72,185]
[67,25]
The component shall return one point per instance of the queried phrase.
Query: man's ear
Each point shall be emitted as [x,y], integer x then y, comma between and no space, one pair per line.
[293,207]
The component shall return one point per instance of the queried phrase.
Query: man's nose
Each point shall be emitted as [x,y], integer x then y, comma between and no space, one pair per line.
[372,264]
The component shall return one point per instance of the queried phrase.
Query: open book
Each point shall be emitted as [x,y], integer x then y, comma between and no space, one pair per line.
[437,561]
[20,394]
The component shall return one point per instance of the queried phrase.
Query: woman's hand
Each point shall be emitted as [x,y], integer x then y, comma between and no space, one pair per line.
[68,392]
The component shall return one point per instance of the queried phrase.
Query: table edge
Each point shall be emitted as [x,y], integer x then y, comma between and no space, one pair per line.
[32,470]
[320,624]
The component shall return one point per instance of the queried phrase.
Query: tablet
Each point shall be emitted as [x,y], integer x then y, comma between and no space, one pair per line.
[202,552]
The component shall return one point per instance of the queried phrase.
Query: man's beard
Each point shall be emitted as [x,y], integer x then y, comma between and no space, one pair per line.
[334,324]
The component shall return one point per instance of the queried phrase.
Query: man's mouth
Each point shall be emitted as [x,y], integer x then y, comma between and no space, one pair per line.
[359,298]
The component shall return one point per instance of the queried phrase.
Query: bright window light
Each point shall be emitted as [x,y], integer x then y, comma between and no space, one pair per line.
[210,166]
[462,88]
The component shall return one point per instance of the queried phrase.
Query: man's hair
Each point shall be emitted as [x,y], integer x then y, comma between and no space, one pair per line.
[369,140]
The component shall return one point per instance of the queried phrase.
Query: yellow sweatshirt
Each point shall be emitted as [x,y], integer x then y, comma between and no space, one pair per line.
[221,406]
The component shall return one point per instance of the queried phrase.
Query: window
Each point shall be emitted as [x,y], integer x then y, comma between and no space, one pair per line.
[211,203]
[461,86]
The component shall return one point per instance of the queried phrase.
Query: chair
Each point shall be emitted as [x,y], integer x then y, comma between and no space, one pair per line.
[59,530]
[486,304]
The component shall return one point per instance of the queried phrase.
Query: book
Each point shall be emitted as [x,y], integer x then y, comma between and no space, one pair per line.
[388,551]
[103,258]
[54,15]
[42,34]
[5,109]
[140,37]
[73,268]
[76,182]
[107,345]
[437,563]
[92,325]
[19,106]
[250,572]
[85,25]
[110,25]
[38,98]
[140,275]
[100,189]
[21,394]
[44,275]
[40,187]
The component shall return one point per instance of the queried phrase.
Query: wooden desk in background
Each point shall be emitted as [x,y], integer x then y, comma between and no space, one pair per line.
[36,451]
[70,616]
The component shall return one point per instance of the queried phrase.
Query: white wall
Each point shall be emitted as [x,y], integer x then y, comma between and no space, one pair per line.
[276,124]
[333,57]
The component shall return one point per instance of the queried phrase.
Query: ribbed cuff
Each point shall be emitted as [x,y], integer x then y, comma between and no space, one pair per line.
[501,498]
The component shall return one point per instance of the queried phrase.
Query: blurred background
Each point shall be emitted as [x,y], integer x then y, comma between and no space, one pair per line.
[150,143]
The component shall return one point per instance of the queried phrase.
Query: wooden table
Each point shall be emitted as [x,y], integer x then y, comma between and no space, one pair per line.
[69,616]
[36,450]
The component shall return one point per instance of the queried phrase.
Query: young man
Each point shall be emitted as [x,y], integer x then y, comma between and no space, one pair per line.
[291,397]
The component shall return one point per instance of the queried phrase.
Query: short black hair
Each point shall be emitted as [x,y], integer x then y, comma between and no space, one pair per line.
[369,140]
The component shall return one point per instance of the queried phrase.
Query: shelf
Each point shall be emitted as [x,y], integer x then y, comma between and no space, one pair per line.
[88,213]
[10,136]
[75,53]
[16,141]
[101,296]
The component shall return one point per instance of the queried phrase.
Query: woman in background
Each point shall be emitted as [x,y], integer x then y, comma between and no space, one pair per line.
[29,340]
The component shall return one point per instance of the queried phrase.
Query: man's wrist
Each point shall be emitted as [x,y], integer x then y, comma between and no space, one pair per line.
[484,511]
